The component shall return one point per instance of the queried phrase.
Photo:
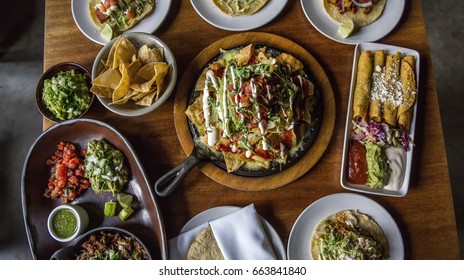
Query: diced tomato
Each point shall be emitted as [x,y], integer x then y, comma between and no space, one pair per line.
[106,4]
[73,163]
[252,60]
[263,154]
[130,15]
[219,72]
[67,173]
[113,2]
[287,138]
[224,148]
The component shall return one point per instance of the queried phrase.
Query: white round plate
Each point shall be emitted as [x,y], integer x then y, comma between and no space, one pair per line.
[316,14]
[149,24]
[217,212]
[211,14]
[299,241]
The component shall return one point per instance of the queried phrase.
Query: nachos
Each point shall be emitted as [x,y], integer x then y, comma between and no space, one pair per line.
[253,106]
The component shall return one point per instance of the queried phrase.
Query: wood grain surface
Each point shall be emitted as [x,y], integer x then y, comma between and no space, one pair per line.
[316,73]
[425,216]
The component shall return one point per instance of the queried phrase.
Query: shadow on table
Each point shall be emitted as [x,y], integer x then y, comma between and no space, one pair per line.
[16,17]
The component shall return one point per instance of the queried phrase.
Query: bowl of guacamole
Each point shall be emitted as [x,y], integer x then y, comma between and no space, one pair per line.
[63,92]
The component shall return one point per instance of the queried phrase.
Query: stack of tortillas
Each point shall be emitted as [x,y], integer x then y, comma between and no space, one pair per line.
[236,236]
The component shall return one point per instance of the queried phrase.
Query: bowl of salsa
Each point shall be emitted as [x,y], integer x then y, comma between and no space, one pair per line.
[66,222]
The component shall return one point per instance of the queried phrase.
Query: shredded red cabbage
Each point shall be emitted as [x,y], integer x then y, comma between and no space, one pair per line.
[382,134]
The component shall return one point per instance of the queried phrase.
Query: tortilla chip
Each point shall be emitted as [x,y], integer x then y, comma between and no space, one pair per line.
[109,60]
[147,71]
[161,70]
[109,79]
[148,55]
[123,52]
[205,247]
[133,69]
[245,54]
[285,58]
[147,100]
[131,93]
[123,87]
[233,161]
[102,91]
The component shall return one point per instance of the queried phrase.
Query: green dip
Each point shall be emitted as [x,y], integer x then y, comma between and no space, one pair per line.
[66,95]
[378,170]
[105,167]
[64,223]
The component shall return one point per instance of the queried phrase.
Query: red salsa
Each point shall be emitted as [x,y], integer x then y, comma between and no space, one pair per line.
[356,172]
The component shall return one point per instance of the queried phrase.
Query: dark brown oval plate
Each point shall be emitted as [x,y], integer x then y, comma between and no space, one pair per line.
[146,222]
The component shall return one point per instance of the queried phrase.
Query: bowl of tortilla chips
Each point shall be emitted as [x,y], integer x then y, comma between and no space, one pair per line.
[134,74]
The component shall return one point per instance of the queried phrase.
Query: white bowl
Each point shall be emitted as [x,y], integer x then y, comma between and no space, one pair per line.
[82,221]
[130,109]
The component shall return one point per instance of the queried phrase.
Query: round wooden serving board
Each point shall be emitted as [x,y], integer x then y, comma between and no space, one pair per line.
[314,153]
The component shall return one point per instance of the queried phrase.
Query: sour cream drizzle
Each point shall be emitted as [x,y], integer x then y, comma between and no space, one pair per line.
[211,131]
[262,129]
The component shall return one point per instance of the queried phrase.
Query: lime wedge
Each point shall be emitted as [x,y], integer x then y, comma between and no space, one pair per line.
[346,29]
[107,32]
[110,208]
[125,200]
[125,214]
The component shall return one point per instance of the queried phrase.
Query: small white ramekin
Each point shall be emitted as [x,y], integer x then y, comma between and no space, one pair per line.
[82,219]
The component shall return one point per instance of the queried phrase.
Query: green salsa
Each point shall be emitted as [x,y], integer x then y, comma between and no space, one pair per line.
[64,223]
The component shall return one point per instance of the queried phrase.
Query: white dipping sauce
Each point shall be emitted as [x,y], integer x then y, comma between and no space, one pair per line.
[397,161]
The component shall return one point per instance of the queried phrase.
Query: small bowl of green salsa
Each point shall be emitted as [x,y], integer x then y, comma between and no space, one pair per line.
[63,92]
[66,222]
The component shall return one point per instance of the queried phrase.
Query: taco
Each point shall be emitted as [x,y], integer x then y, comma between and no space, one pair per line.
[349,235]
[240,7]
[120,15]
[360,12]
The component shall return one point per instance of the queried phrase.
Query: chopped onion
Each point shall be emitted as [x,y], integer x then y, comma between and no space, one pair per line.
[362,5]
[343,5]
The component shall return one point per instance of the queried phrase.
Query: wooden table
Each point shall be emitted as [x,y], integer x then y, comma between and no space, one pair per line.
[425,216]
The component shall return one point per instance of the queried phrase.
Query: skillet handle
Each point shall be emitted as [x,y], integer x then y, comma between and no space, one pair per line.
[166,184]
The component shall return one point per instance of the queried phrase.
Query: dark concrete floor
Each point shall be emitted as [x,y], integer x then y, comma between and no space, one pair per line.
[21,64]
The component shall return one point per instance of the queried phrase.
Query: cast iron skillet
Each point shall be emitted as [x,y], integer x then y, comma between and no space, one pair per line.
[166,184]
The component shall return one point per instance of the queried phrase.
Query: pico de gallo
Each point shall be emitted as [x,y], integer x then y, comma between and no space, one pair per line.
[66,173]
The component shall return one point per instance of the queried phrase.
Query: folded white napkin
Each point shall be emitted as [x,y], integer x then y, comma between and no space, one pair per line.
[239,234]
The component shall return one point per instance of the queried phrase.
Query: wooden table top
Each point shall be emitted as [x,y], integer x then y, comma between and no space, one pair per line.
[425,215]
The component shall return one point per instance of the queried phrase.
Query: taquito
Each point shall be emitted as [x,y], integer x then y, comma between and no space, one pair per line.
[409,90]
[363,85]
[378,86]
[392,76]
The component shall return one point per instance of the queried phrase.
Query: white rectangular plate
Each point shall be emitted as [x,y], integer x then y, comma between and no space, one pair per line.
[348,128]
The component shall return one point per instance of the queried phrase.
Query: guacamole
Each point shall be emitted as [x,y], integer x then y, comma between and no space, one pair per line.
[105,167]
[66,95]
[378,170]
